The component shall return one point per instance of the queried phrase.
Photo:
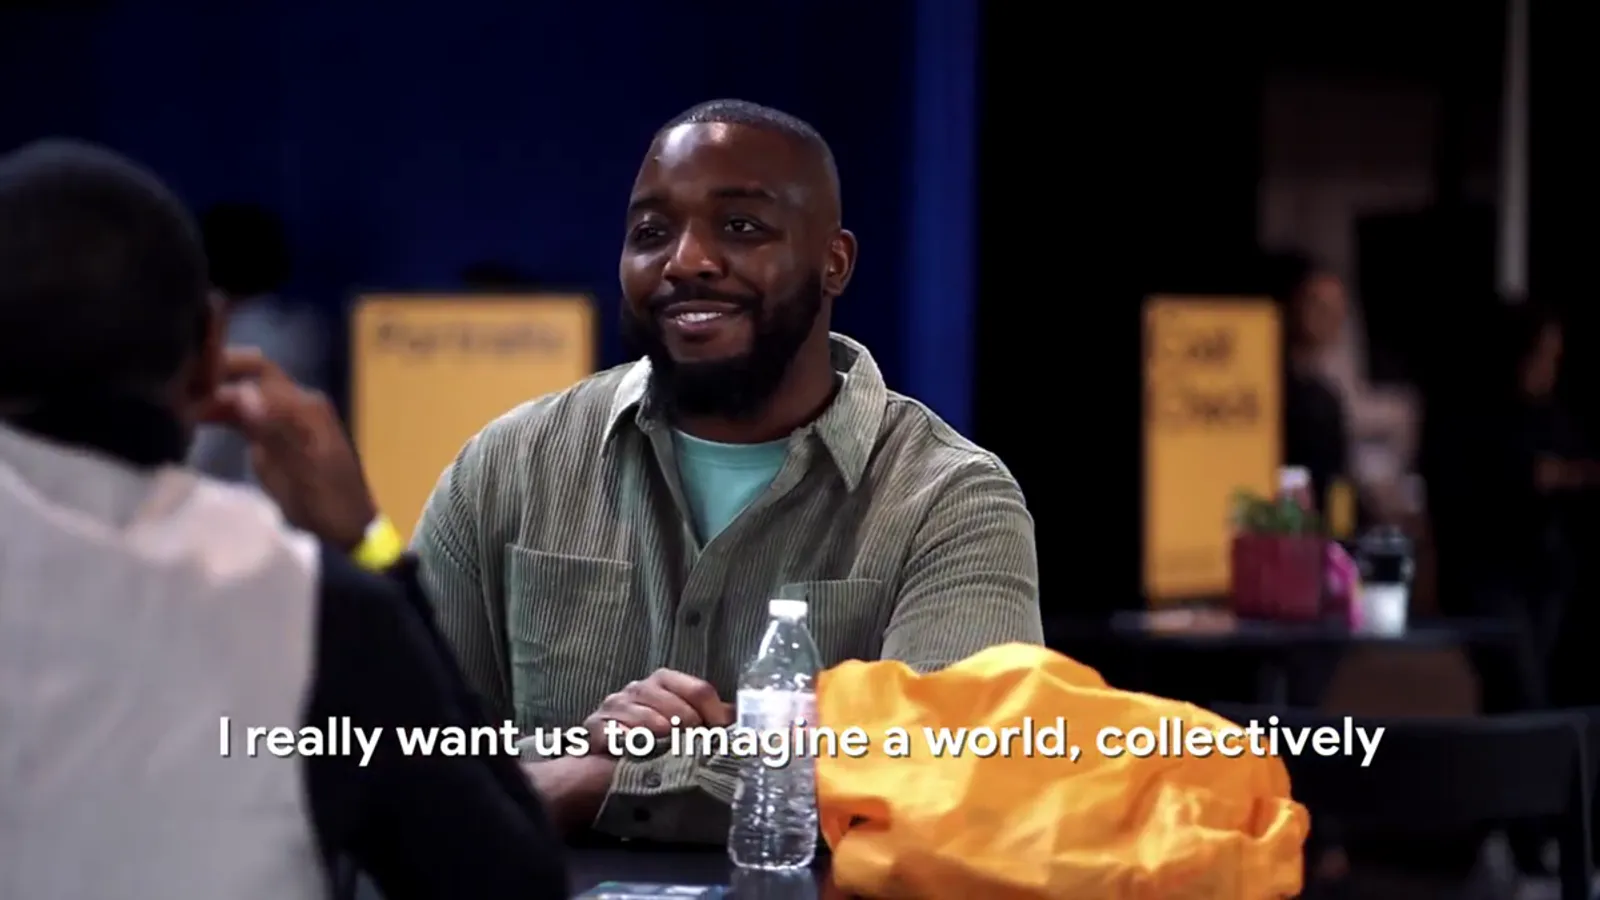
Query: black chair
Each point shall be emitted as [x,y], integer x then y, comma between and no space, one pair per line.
[345,880]
[1448,775]
[350,883]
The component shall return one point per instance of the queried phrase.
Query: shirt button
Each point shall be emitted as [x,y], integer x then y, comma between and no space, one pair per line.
[691,618]
[640,814]
[652,779]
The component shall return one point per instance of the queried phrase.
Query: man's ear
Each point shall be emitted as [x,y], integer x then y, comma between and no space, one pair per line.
[840,263]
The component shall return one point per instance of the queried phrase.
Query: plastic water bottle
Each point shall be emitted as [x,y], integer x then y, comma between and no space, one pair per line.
[1386,560]
[774,816]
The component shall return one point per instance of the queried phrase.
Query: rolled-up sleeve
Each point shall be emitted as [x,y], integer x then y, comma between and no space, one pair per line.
[686,796]
[972,579]
[681,795]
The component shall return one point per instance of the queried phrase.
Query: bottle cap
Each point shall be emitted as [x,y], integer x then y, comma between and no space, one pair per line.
[1294,478]
[786,609]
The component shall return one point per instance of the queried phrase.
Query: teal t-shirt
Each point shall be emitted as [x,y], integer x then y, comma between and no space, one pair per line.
[720,480]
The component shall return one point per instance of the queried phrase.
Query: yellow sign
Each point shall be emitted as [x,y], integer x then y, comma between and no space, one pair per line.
[1213,400]
[429,372]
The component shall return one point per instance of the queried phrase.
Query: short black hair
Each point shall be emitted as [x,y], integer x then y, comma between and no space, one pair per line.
[247,247]
[1285,273]
[1521,327]
[103,279]
[754,115]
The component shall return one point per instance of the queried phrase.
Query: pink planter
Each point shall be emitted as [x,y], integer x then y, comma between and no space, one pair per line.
[1278,576]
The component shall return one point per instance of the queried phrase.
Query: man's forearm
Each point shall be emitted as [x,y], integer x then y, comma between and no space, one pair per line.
[573,787]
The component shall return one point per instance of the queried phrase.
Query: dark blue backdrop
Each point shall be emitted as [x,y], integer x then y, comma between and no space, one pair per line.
[401,145]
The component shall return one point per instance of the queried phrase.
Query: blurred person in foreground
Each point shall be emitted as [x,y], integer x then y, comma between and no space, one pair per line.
[250,262]
[141,603]
[606,553]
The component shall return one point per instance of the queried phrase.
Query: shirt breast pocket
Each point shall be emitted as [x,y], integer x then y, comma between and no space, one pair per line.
[567,627]
[846,618]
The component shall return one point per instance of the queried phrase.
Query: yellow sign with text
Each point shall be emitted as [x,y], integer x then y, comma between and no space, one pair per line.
[429,372]
[1213,400]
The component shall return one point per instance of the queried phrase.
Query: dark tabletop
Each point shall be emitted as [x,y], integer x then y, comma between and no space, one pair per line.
[590,867]
[1204,628]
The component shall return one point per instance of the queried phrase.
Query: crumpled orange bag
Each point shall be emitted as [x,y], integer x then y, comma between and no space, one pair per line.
[1001,827]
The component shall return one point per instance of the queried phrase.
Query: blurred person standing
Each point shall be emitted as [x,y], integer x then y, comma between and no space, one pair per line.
[149,616]
[1502,458]
[1378,424]
[250,263]
[1505,456]
[1315,436]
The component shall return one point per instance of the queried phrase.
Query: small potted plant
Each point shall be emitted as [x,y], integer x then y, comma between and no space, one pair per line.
[1278,558]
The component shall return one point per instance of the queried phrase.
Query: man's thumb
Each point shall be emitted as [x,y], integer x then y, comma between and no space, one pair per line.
[240,405]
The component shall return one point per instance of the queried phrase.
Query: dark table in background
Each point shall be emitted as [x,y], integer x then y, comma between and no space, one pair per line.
[591,867]
[1275,649]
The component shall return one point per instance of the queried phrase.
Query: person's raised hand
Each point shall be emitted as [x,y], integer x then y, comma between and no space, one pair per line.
[653,704]
[298,448]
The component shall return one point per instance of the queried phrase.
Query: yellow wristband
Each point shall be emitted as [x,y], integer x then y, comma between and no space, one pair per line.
[380,547]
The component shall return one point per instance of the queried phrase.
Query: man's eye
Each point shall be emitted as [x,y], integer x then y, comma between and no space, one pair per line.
[645,231]
[743,226]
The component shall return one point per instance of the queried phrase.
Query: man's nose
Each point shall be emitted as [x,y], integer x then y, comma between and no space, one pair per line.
[694,258]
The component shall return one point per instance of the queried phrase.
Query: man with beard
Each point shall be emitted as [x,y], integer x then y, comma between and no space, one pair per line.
[607,553]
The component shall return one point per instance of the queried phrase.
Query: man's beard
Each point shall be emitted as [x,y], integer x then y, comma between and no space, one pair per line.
[735,388]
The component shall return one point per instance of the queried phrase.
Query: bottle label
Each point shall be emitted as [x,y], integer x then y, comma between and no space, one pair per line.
[805,710]
[776,710]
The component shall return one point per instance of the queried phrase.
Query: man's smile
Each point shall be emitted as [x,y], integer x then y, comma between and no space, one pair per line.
[700,321]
